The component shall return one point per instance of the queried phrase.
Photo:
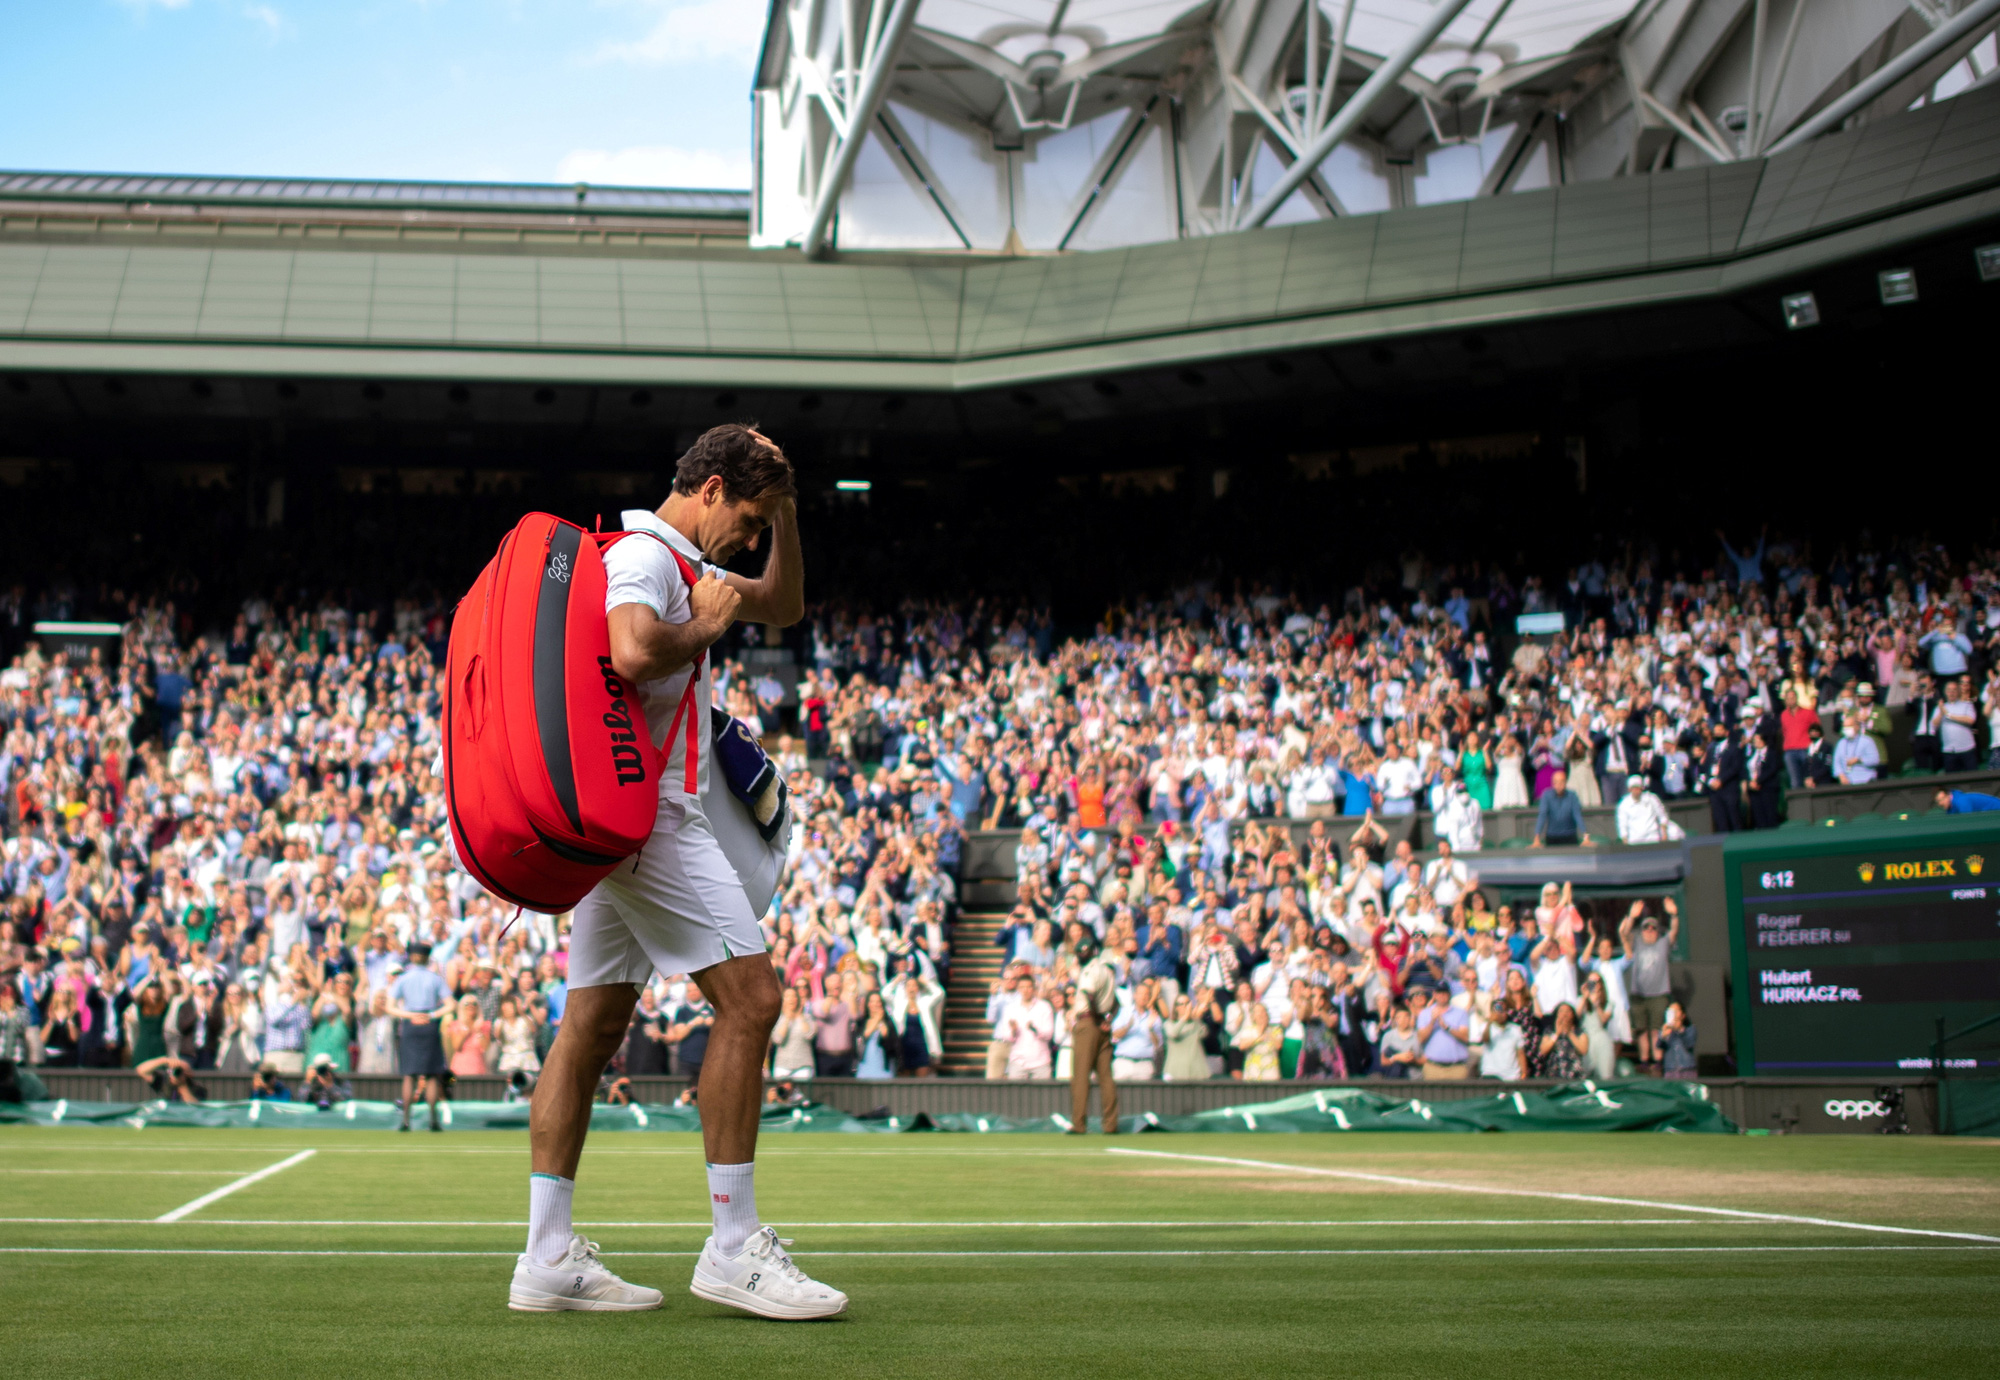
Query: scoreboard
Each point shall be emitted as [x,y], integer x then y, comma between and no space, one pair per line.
[1849,942]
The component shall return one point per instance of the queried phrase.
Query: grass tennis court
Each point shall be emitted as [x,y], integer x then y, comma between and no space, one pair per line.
[364,1253]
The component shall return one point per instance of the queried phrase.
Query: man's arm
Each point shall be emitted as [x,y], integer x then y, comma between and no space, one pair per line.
[778,596]
[646,647]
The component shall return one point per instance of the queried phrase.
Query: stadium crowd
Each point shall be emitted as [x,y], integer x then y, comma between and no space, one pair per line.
[219,847]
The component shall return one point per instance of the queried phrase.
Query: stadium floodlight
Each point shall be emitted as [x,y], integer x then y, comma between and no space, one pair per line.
[1987,256]
[854,486]
[1897,285]
[1801,310]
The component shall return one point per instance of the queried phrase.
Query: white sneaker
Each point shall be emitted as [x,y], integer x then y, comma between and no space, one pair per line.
[762,1279]
[578,1280]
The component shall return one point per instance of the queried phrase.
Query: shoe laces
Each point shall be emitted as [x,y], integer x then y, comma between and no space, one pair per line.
[585,1252]
[768,1245]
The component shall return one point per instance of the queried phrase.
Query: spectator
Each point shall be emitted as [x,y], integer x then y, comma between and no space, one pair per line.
[1028,1028]
[688,1033]
[1399,1051]
[1444,1027]
[1796,722]
[1187,1038]
[1960,750]
[1965,802]
[1564,1046]
[878,1041]
[466,1036]
[1559,815]
[792,1037]
[514,1030]
[1677,1040]
[1498,1041]
[1642,816]
[1855,756]
[1139,1036]
[1649,975]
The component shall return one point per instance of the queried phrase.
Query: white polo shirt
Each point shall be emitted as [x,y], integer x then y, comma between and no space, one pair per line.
[641,571]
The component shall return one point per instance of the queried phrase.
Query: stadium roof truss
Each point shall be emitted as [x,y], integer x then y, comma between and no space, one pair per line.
[1049,125]
[1488,161]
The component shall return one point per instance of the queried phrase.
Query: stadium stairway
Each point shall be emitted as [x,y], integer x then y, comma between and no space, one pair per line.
[975,964]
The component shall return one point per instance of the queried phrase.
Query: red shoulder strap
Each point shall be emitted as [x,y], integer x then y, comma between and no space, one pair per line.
[685,711]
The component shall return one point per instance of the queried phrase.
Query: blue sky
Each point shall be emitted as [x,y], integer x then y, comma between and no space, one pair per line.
[639,91]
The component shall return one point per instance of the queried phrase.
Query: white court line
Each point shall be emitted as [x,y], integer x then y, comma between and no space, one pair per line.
[127,1173]
[1545,1193]
[1028,1255]
[935,1151]
[216,1195]
[708,1226]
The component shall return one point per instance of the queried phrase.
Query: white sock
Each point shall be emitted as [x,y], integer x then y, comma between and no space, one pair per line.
[549,1228]
[732,1198]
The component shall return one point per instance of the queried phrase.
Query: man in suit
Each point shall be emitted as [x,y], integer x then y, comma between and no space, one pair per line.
[1346,1015]
[1928,707]
[1722,779]
[1762,767]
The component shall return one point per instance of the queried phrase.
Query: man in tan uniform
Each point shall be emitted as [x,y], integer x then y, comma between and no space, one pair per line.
[1095,1004]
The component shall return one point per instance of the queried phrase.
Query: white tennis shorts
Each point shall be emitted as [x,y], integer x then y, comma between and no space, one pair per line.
[677,906]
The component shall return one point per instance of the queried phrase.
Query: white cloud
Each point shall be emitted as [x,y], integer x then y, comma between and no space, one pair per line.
[143,5]
[265,15]
[655,165]
[699,31]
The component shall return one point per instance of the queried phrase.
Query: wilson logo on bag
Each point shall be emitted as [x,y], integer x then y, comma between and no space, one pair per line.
[551,779]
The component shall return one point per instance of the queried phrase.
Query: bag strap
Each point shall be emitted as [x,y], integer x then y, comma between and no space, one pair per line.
[684,712]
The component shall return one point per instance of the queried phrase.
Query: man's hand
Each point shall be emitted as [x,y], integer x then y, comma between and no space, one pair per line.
[712,605]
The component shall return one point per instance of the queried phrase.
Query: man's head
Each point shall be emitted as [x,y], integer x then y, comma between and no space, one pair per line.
[728,488]
[1634,784]
[1558,780]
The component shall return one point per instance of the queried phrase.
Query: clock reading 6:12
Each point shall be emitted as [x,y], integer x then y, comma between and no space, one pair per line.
[1775,881]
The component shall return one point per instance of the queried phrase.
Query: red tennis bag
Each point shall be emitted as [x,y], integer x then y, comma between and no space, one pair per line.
[551,778]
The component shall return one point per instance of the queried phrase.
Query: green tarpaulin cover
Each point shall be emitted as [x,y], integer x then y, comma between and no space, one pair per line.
[1624,1105]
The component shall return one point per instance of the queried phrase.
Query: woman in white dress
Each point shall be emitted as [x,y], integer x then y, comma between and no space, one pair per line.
[1510,789]
[514,1031]
[377,1037]
[1582,780]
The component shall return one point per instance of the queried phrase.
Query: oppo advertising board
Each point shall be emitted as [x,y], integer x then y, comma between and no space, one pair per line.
[1849,943]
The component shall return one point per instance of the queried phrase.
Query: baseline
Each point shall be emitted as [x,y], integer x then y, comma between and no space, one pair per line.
[1550,1194]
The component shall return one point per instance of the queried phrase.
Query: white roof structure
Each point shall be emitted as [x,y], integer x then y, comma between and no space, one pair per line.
[1026,126]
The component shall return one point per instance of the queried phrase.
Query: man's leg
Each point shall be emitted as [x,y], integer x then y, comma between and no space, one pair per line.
[744,992]
[1107,1085]
[1082,1055]
[409,1096]
[593,1025]
[433,1090]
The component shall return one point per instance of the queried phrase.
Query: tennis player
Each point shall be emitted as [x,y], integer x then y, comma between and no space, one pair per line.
[679,906]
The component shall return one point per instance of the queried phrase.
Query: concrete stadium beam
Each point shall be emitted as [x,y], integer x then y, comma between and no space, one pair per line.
[1965,22]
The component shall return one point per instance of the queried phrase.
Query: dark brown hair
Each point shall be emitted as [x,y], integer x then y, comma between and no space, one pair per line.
[750,466]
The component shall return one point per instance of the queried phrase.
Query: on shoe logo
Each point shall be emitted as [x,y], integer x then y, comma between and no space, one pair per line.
[752,1285]
[577,1288]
